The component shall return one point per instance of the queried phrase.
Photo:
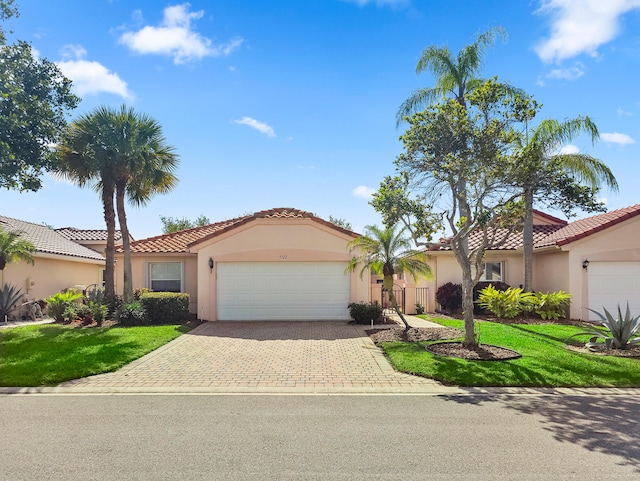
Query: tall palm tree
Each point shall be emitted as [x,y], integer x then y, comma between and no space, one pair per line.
[14,248]
[388,252]
[117,152]
[456,76]
[143,168]
[538,153]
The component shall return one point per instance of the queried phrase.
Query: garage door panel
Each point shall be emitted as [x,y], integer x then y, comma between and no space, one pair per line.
[282,291]
[613,283]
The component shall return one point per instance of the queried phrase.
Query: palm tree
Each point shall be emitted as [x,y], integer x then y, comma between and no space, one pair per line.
[455,76]
[538,153]
[14,248]
[143,168]
[117,152]
[85,157]
[387,252]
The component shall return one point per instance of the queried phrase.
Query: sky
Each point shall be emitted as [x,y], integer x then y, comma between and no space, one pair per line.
[292,103]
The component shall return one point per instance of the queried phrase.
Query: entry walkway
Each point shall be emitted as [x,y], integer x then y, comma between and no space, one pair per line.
[262,357]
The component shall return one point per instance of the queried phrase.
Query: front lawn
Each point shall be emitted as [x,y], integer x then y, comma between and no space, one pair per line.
[45,355]
[545,361]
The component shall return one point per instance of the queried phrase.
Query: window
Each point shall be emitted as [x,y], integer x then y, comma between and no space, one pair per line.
[165,276]
[492,271]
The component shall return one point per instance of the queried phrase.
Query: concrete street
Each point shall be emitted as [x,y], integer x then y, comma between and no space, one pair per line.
[322,437]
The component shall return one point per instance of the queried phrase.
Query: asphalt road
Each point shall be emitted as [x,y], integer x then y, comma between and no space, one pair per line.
[290,437]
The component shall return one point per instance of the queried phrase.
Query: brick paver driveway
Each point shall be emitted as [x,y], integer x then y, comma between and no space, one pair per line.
[262,357]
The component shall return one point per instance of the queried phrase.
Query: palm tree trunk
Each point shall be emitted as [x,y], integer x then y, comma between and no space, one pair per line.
[127,286]
[527,240]
[110,252]
[388,285]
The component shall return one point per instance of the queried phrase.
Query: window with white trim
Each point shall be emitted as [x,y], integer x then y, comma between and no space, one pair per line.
[492,271]
[165,276]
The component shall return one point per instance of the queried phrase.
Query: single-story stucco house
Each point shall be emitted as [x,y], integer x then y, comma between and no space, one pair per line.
[277,264]
[59,263]
[595,259]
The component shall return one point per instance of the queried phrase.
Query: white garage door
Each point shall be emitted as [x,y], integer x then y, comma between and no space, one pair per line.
[256,291]
[613,283]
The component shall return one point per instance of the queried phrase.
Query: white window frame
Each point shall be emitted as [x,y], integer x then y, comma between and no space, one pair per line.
[150,279]
[484,273]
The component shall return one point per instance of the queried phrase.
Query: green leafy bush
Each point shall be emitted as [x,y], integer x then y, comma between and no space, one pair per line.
[138,291]
[166,307]
[507,303]
[62,302]
[10,297]
[99,312]
[621,332]
[449,296]
[499,285]
[363,313]
[551,305]
[132,314]
[419,309]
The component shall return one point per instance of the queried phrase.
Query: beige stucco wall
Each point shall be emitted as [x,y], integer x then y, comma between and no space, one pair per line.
[51,274]
[617,243]
[140,273]
[272,240]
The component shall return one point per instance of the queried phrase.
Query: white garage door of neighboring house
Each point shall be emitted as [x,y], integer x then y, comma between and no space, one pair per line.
[256,291]
[613,283]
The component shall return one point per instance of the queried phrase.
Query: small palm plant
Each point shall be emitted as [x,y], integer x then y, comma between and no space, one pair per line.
[622,331]
[10,296]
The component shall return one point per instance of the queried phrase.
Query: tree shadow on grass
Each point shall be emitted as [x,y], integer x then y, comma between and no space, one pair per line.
[601,423]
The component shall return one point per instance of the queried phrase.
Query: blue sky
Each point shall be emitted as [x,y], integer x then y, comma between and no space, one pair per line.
[292,103]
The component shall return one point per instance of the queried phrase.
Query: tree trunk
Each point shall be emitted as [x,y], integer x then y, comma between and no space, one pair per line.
[527,240]
[470,340]
[388,285]
[127,285]
[110,252]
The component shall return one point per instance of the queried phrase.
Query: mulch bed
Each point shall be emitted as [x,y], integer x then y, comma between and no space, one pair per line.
[415,334]
[484,352]
[602,350]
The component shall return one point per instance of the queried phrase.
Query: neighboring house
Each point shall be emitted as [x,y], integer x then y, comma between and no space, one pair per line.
[278,264]
[59,262]
[95,239]
[596,260]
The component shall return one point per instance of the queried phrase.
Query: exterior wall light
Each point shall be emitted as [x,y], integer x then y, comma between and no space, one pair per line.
[211,263]
[585,264]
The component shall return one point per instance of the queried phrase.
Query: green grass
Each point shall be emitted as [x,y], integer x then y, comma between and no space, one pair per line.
[46,355]
[545,361]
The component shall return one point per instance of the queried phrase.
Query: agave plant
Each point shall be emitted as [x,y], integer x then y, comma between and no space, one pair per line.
[10,297]
[622,331]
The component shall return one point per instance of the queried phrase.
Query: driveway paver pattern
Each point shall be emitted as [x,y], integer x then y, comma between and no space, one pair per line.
[262,357]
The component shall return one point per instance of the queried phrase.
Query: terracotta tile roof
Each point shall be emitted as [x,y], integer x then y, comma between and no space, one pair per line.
[180,241]
[584,227]
[561,233]
[47,240]
[74,234]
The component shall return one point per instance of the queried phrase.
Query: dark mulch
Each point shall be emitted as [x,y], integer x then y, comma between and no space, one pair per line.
[484,352]
[191,323]
[601,349]
[414,334]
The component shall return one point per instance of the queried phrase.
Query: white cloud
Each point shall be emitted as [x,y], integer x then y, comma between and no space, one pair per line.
[617,138]
[90,77]
[569,149]
[623,113]
[175,37]
[571,73]
[364,192]
[604,200]
[581,26]
[256,124]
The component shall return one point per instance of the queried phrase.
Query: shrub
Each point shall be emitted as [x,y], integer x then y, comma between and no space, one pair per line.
[60,301]
[507,303]
[166,307]
[551,305]
[363,313]
[620,331]
[132,314]
[95,296]
[138,291]
[419,309]
[449,296]
[99,312]
[498,285]
[10,297]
